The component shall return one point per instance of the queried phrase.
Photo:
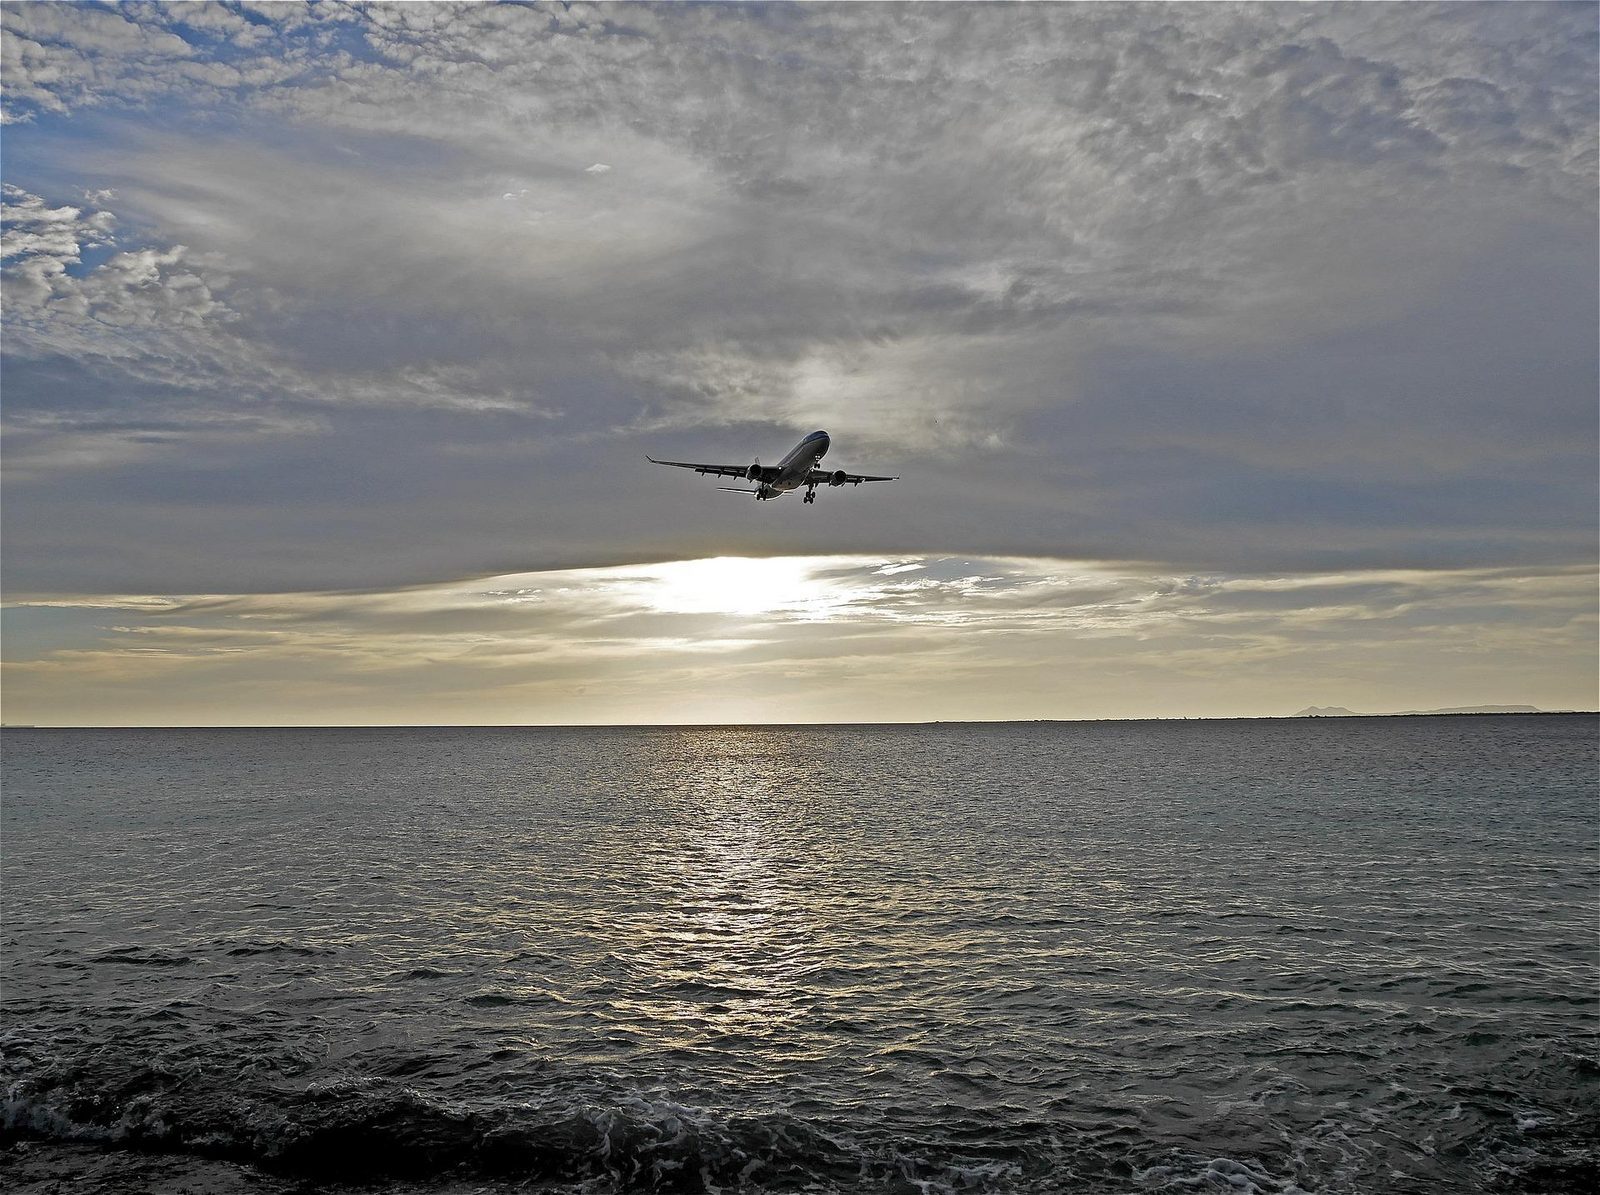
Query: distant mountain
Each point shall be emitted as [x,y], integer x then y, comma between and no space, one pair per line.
[1338,711]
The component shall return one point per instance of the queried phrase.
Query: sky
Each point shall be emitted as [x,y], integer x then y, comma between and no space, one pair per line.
[1234,359]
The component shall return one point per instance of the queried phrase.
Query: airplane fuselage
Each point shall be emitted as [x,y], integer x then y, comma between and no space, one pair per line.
[792,471]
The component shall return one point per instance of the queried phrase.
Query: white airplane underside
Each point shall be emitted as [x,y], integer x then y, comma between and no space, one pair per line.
[798,469]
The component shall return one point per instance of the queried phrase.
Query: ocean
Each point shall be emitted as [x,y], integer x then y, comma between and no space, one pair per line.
[1319,955]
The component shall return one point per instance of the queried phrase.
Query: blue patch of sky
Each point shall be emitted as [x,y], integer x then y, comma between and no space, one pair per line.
[34,153]
[350,36]
[31,147]
[342,29]
[203,35]
[91,258]
[52,157]
[59,157]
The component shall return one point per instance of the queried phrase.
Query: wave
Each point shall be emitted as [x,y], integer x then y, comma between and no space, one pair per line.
[251,949]
[133,956]
[365,1131]
[370,1130]
[256,1105]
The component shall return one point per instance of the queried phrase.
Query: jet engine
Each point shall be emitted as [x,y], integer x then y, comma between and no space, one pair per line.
[753,473]
[837,477]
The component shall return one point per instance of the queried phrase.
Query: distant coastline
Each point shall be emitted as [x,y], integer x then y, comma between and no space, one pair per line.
[1339,711]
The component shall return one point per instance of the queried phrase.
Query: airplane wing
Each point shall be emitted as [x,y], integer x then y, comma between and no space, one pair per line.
[714,470]
[827,477]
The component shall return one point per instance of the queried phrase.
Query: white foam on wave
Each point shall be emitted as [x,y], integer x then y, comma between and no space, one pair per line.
[1217,1174]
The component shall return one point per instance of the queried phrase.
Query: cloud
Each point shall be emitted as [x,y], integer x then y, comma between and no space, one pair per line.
[154,326]
[143,288]
[61,59]
[56,57]
[57,235]
[821,638]
[1305,288]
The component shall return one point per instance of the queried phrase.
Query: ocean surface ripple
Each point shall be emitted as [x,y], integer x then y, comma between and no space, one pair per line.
[1318,955]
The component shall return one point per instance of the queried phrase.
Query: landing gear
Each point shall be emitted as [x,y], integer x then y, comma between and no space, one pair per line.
[811,495]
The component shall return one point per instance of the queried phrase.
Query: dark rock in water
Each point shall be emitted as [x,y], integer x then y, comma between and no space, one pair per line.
[33,1167]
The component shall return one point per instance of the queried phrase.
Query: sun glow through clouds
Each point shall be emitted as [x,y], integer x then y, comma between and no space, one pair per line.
[801,638]
[741,586]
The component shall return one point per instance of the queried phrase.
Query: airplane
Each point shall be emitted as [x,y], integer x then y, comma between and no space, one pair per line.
[797,469]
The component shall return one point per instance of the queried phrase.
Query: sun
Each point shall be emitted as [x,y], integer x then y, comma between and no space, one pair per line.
[733,585]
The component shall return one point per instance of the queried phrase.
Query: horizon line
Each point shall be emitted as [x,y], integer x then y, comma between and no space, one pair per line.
[771,725]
